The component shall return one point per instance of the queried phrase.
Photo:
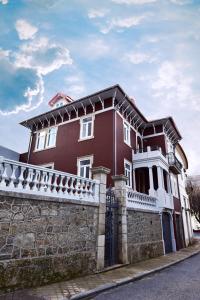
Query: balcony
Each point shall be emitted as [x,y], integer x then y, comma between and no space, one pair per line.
[149,152]
[174,164]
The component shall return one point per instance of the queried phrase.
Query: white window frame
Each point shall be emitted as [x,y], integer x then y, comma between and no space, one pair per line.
[129,183]
[46,131]
[82,158]
[48,165]
[127,135]
[81,138]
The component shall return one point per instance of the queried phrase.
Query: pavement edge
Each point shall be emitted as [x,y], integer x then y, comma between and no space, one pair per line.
[108,286]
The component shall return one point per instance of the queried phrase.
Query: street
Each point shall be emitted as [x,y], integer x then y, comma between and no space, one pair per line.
[181,281]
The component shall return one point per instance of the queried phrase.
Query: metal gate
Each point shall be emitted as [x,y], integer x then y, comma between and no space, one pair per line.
[111,229]
[167,232]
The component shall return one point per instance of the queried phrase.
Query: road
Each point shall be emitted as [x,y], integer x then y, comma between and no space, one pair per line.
[181,281]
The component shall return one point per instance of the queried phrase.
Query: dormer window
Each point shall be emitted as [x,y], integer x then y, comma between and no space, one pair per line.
[59,104]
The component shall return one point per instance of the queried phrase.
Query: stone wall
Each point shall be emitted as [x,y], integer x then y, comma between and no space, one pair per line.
[144,235]
[45,239]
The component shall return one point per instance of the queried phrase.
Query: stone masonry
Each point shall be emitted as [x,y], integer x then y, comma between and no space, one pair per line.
[144,236]
[44,241]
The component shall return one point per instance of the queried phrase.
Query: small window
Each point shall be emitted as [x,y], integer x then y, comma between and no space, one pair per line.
[59,104]
[128,172]
[86,128]
[127,130]
[84,166]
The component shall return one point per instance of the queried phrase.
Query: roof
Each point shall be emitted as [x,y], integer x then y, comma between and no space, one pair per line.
[103,94]
[170,126]
[122,98]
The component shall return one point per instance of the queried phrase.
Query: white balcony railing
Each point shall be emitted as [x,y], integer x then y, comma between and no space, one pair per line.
[141,201]
[148,153]
[25,178]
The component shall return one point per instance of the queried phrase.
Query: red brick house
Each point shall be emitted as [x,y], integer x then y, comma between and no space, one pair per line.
[107,129]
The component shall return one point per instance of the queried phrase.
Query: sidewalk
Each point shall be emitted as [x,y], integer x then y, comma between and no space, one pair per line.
[80,288]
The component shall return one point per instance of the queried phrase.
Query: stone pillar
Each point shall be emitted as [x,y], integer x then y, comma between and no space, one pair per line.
[151,186]
[120,193]
[100,174]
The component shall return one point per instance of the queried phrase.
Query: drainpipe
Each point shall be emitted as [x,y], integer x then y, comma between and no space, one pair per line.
[29,147]
[115,144]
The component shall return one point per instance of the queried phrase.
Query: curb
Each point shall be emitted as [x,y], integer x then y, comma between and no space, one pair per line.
[108,286]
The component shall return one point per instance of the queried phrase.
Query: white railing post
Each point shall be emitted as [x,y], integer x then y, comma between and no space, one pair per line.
[4,176]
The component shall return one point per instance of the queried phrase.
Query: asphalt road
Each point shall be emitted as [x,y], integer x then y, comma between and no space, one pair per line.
[181,281]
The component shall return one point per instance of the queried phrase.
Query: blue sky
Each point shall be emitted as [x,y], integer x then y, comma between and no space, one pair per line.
[150,47]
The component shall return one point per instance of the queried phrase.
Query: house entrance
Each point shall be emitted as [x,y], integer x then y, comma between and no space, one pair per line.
[167,232]
[111,229]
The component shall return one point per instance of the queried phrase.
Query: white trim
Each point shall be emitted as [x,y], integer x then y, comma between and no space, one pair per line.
[86,157]
[126,121]
[152,135]
[131,177]
[51,164]
[95,113]
[81,138]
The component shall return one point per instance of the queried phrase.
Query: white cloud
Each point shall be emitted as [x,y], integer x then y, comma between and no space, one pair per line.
[25,30]
[4,53]
[172,84]
[33,99]
[96,48]
[137,2]
[25,87]
[138,58]
[97,13]
[4,2]
[43,55]
[76,90]
[121,23]
[75,86]
[24,71]
[181,2]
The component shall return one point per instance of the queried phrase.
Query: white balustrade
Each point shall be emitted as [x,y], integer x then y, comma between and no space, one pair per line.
[25,178]
[141,201]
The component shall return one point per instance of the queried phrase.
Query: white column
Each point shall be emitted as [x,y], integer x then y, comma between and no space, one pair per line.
[160,177]
[134,182]
[168,184]
[151,186]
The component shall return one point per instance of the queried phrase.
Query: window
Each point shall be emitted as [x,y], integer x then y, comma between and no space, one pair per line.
[46,138]
[84,166]
[128,172]
[51,137]
[174,185]
[59,104]
[127,138]
[86,129]
[40,140]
